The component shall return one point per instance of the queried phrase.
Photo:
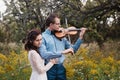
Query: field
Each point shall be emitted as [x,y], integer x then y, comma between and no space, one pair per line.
[89,63]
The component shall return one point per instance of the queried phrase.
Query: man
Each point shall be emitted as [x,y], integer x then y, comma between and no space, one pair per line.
[52,47]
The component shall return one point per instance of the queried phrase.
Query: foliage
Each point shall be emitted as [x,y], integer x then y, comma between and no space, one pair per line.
[23,15]
[91,63]
[6,48]
[88,63]
[13,66]
[96,15]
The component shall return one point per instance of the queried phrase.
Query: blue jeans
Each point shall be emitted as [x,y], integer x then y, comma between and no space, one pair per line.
[57,72]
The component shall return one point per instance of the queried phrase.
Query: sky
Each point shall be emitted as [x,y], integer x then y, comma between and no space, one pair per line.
[2,6]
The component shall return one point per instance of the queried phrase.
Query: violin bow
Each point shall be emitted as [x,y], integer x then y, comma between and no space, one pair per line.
[66,23]
[68,34]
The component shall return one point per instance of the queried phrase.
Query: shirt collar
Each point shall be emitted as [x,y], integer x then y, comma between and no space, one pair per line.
[48,31]
[51,33]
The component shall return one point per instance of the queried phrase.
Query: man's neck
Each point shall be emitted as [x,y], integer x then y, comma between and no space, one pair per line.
[50,29]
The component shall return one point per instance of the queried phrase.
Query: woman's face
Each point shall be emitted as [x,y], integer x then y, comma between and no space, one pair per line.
[37,42]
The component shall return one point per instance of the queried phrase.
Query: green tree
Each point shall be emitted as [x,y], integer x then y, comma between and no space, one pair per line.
[22,15]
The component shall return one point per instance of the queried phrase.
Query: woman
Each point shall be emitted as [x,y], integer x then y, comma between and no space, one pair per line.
[32,44]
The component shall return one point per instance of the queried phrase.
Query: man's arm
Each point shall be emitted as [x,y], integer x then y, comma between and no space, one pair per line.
[79,41]
[45,54]
[75,46]
[48,54]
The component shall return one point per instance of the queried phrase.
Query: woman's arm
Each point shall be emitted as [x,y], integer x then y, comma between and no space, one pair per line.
[37,62]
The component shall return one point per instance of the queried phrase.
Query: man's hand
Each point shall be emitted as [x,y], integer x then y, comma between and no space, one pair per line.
[70,50]
[83,30]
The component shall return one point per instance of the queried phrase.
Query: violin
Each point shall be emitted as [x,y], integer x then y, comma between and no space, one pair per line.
[63,32]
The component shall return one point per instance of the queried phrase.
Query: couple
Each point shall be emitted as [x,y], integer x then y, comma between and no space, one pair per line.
[46,52]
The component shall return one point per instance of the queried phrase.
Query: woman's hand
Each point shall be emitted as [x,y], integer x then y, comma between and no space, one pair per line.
[54,61]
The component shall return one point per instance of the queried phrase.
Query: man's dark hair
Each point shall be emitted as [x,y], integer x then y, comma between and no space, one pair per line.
[51,19]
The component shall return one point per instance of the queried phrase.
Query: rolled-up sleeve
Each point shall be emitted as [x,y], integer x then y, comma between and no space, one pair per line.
[77,44]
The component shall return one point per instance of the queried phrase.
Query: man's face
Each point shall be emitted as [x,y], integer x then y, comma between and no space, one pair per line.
[56,25]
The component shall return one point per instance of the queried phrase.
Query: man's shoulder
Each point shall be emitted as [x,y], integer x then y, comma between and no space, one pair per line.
[45,34]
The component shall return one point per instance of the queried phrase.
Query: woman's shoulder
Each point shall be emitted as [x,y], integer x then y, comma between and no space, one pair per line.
[32,51]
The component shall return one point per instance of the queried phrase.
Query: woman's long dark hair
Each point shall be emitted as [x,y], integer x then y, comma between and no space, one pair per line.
[30,38]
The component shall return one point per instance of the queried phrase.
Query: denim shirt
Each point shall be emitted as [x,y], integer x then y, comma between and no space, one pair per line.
[52,47]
